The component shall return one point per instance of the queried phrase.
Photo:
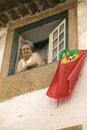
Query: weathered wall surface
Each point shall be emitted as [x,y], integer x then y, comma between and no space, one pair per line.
[82,24]
[36,111]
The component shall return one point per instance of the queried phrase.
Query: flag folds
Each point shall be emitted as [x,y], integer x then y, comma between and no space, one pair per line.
[69,65]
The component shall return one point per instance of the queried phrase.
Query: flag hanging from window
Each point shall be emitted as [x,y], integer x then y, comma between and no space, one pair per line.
[69,66]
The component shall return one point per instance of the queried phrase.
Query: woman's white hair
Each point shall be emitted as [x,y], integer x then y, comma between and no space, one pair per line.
[29,43]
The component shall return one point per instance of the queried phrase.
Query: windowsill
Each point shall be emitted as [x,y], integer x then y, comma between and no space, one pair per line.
[27,81]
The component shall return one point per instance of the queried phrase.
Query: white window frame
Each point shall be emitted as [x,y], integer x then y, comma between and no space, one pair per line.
[57,41]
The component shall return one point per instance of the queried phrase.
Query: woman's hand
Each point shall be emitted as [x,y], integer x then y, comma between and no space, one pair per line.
[31,65]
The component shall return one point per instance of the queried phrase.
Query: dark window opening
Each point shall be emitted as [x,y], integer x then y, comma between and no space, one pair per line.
[42,48]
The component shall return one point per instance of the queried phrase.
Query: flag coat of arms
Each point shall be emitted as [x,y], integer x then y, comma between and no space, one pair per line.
[69,65]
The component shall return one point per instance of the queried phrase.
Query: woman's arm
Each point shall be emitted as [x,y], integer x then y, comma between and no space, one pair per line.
[20,68]
[27,66]
[37,59]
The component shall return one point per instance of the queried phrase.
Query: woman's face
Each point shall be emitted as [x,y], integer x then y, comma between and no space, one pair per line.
[26,51]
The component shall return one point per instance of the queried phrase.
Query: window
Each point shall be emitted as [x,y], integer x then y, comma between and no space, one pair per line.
[57,41]
[49,37]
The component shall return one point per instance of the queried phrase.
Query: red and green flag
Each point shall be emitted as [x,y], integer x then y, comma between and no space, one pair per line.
[69,65]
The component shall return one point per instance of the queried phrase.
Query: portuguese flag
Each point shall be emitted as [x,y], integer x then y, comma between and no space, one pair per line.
[69,65]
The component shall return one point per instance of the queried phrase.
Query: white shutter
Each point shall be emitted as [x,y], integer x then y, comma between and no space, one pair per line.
[56,41]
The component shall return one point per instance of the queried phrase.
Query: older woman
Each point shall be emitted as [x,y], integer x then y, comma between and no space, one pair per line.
[30,58]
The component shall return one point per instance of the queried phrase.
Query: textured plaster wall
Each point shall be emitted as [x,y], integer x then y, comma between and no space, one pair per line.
[36,111]
[82,24]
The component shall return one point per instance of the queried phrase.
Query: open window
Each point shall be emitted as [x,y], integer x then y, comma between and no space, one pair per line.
[48,40]
[49,37]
